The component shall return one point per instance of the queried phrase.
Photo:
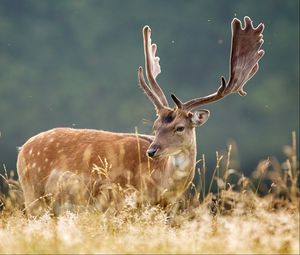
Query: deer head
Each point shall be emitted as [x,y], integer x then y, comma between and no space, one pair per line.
[174,127]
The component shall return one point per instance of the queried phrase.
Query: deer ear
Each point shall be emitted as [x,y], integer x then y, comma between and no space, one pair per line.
[198,118]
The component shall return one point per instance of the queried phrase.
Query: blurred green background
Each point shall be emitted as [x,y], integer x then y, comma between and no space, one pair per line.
[74,64]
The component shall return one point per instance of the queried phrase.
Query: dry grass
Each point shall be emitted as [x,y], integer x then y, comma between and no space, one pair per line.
[236,219]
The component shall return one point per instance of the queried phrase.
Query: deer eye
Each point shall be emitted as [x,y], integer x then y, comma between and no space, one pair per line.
[179,129]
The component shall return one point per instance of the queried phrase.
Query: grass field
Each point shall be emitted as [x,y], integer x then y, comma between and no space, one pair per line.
[234,220]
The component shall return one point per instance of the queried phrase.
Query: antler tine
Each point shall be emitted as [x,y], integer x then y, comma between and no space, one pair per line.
[152,96]
[177,101]
[152,65]
[245,55]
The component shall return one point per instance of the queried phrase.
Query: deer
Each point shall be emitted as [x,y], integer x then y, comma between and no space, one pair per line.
[161,165]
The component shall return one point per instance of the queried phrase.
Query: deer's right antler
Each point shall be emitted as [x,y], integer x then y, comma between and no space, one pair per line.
[245,54]
[154,92]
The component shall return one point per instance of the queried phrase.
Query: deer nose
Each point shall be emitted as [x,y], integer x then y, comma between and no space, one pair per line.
[152,151]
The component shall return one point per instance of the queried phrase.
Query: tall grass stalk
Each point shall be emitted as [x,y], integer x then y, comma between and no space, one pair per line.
[219,158]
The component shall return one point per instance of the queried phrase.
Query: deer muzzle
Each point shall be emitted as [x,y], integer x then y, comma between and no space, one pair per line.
[152,152]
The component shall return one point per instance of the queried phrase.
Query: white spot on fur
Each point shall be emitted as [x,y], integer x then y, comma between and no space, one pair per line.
[25,170]
[46,160]
[87,154]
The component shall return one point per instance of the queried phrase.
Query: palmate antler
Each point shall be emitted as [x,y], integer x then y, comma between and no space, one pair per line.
[245,54]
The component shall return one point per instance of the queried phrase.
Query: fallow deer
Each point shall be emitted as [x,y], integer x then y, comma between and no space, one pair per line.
[162,166]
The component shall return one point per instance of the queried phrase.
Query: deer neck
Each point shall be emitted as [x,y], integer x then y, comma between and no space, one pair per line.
[182,163]
[181,167]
